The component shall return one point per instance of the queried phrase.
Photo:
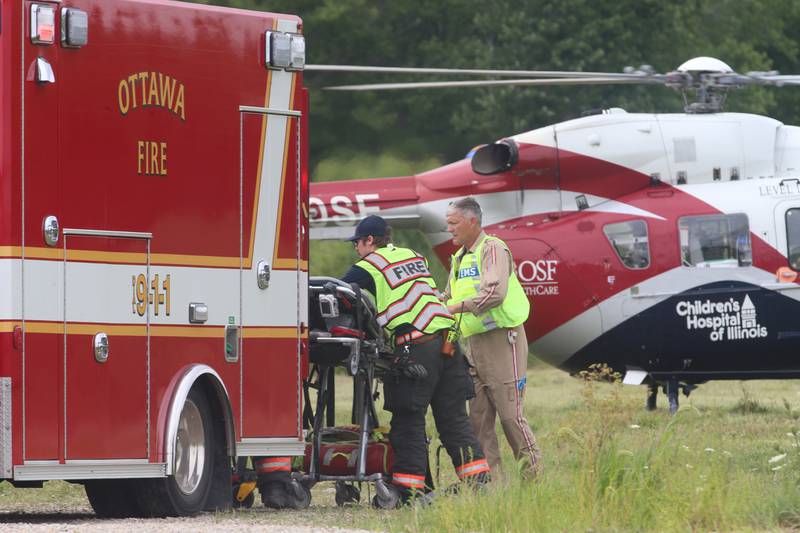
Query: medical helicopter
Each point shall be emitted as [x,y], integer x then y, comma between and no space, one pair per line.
[663,245]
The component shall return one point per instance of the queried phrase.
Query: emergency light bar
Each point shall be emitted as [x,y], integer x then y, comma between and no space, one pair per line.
[286,51]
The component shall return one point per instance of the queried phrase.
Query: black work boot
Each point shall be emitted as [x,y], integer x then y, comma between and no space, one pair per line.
[477,483]
[274,494]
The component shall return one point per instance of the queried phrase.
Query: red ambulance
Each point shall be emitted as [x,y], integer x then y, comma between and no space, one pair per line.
[153,258]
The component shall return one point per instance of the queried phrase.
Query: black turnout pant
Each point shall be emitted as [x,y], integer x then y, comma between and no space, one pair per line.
[446,389]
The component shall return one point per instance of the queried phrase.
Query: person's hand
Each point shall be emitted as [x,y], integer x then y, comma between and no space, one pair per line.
[415,371]
[455,308]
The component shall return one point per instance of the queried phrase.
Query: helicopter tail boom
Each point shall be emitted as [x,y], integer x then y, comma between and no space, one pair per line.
[337,206]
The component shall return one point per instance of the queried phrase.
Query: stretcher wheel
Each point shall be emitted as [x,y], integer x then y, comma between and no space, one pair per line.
[247,503]
[299,495]
[386,496]
[346,494]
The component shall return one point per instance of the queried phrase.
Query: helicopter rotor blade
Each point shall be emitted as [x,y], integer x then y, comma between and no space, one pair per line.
[706,80]
[490,83]
[476,72]
[774,79]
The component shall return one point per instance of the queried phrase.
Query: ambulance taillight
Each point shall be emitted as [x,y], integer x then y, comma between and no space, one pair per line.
[43,24]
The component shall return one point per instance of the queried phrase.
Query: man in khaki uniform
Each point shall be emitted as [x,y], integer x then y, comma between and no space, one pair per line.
[491,306]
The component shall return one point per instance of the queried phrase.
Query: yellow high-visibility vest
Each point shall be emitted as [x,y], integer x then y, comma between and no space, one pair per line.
[465,282]
[405,290]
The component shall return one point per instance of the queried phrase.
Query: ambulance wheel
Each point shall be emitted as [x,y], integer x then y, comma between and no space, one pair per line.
[299,495]
[346,494]
[248,501]
[112,498]
[186,491]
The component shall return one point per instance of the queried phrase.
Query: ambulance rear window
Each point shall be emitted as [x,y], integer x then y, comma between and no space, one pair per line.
[629,240]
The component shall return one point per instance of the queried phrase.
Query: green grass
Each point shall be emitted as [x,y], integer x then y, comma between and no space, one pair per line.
[728,461]
[611,466]
[55,496]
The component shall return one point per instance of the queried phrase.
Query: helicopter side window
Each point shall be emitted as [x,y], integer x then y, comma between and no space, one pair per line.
[715,241]
[629,240]
[793,237]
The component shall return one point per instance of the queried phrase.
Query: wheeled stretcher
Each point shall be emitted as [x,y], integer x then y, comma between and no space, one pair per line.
[344,332]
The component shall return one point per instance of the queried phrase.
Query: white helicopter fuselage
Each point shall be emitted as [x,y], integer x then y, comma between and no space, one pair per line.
[677,149]
[649,242]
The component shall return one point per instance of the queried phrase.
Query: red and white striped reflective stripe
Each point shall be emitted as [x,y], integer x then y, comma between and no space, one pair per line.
[418,290]
[411,481]
[486,297]
[376,260]
[473,468]
[520,420]
[274,464]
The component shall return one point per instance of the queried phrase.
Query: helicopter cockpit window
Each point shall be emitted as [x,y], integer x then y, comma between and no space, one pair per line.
[793,237]
[629,240]
[715,241]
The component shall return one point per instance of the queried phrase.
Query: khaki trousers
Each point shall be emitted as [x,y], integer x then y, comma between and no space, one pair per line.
[499,360]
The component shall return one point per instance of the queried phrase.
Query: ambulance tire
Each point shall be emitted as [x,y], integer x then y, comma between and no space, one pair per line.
[167,496]
[112,498]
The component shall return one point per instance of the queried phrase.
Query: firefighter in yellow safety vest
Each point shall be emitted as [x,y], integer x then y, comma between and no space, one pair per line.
[418,324]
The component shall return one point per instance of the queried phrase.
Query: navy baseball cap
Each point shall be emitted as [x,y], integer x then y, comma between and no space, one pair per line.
[372,225]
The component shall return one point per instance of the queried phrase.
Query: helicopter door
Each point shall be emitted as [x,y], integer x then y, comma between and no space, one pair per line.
[784,297]
[787,226]
[628,317]
[630,323]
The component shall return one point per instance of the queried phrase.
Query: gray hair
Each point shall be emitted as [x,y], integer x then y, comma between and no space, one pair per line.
[468,206]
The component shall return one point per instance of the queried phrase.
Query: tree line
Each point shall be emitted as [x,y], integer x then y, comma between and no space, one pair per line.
[356,135]
[592,35]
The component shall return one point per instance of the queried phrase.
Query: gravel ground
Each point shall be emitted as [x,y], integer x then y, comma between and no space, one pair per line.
[81,522]
[63,508]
